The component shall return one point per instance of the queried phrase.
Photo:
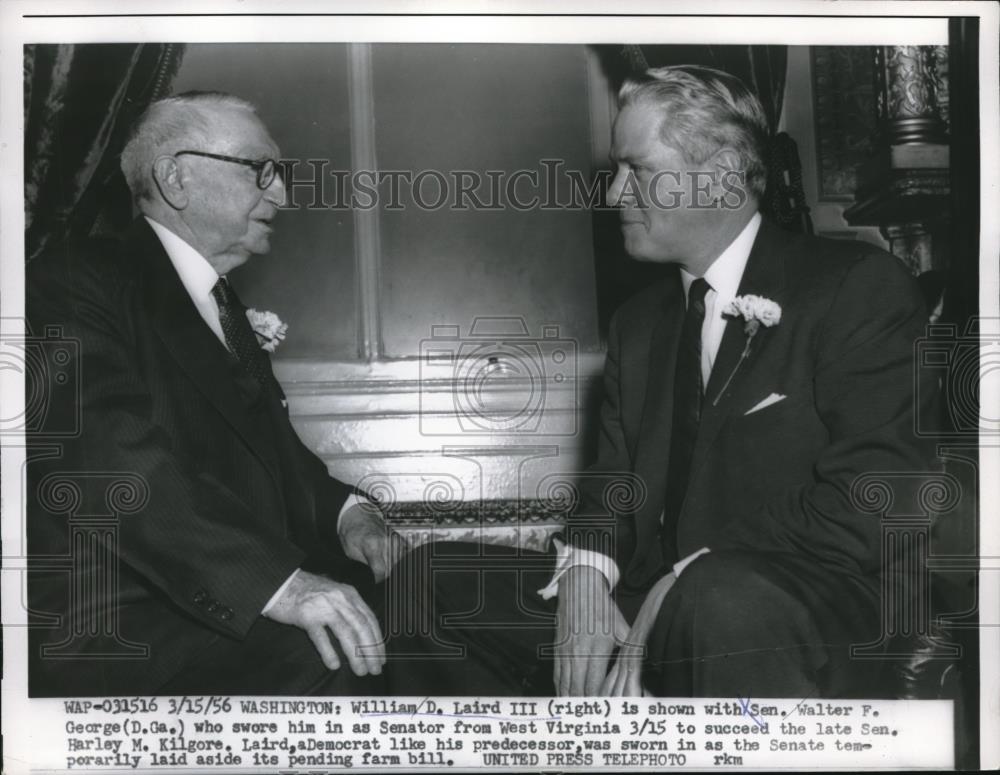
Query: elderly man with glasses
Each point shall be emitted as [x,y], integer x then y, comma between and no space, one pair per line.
[242,567]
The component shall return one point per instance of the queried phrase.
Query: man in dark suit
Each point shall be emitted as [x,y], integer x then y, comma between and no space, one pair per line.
[744,564]
[218,567]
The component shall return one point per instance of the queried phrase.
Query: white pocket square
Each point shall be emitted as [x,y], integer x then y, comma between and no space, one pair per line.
[769,401]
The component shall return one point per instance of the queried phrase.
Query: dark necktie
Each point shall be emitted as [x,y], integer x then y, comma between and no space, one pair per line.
[240,337]
[688,392]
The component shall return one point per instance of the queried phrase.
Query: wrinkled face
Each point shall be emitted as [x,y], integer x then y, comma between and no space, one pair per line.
[226,211]
[665,202]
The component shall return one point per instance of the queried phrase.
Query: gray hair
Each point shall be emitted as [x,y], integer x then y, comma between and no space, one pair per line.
[167,126]
[704,110]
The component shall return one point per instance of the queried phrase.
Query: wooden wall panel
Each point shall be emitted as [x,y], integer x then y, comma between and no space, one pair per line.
[482,107]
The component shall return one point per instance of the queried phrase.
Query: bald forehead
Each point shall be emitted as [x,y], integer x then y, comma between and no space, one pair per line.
[237,131]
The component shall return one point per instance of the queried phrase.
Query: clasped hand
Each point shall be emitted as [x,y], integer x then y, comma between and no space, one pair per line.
[590,626]
[624,679]
[366,538]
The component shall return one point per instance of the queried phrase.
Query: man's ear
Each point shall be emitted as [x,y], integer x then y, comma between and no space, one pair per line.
[167,175]
[727,163]
[730,177]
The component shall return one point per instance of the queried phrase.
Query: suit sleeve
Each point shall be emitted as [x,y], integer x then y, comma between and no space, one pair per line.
[194,539]
[865,394]
[608,488]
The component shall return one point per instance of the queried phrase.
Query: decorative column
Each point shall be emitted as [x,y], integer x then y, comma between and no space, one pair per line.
[906,94]
[903,188]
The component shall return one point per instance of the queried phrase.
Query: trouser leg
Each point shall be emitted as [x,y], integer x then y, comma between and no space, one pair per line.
[466,619]
[749,625]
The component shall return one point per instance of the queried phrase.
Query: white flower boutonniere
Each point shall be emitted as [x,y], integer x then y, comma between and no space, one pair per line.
[268,327]
[757,311]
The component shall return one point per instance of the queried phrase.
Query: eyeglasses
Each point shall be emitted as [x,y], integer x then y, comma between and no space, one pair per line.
[267,169]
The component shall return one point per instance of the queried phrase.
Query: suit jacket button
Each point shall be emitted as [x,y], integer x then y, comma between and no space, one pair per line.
[200,597]
[227,614]
[213,607]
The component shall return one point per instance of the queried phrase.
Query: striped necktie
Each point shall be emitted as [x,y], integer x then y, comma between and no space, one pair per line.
[239,335]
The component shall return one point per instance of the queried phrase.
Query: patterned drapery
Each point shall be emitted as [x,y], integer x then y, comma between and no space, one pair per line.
[79,101]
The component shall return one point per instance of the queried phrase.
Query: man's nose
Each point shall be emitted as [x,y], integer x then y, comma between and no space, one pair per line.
[616,191]
[276,192]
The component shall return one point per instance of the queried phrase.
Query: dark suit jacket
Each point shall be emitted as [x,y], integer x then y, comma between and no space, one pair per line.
[225,501]
[779,479]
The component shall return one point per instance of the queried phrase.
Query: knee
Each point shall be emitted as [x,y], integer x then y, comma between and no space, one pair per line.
[419,560]
[728,591]
[436,572]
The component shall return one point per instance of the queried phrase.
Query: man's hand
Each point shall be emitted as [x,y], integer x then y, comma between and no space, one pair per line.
[366,538]
[588,626]
[317,604]
[625,678]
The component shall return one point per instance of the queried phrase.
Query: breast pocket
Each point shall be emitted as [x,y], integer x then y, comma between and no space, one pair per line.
[791,410]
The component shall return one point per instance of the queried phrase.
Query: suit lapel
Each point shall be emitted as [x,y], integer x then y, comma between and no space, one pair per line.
[764,276]
[652,447]
[192,344]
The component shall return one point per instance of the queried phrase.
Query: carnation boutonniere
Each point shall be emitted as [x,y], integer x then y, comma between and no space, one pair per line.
[756,311]
[268,327]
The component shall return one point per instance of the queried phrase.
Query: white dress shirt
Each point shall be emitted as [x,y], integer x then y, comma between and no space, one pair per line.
[723,277]
[198,278]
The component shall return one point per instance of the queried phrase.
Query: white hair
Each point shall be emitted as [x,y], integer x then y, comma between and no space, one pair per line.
[704,110]
[167,126]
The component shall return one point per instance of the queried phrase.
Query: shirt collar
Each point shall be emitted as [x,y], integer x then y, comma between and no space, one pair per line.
[197,275]
[726,271]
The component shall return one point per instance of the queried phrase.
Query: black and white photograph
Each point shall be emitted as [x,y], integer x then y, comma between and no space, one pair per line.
[509,387]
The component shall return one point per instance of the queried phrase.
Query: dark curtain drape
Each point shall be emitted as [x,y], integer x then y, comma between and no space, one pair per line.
[79,101]
[763,69]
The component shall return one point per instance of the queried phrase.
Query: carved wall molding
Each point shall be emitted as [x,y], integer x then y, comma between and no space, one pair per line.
[407,426]
[939,73]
